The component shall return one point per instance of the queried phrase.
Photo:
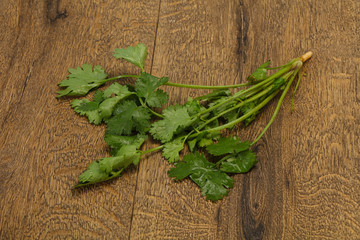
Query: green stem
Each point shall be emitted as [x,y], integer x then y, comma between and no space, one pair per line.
[155,113]
[152,111]
[206,87]
[253,88]
[262,93]
[222,160]
[242,118]
[277,106]
[152,149]
[285,76]
[185,85]
[121,76]
[293,95]
[272,68]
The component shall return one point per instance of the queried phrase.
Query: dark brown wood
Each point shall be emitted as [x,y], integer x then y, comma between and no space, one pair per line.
[306,184]
[44,145]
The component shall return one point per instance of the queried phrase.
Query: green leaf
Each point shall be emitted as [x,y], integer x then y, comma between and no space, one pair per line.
[135,55]
[128,117]
[116,142]
[93,174]
[192,144]
[239,163]
[172,149]
[205,142]
[145,87]
[232,115]
[278,84]
[175,119]
[103,103]
[223,107]
[124,157]
[114,94]
[193,107]
[260,73]
[208,138]
[81,80]
[228,145]
[247,108]
[89,108]
[110,167]
[212,182]
[117,90]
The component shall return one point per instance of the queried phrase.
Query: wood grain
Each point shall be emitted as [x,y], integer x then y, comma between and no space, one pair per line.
[44,144]
[306,184]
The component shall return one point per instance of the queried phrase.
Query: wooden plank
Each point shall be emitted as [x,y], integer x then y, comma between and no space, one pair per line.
[44,145]
[198,42]
[306,185]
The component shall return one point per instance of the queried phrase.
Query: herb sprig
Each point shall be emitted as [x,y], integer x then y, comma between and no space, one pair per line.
[131,116]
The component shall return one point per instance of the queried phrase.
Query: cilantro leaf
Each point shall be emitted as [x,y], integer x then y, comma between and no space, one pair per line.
[192,144]
[193,106]
[228,145]
[128,117]
[230,115]
[208,138]
[116,142]
[212,182]
[205,138]
[175,118]
[260,73]
[89,108]
[172,149]
[135,55]
[81,80]
[145,87]
[106,108]
[124,157]
[278,84]
[117,90]
[103,103]
[92,175]
[239,163]
[247,108]
[110,167]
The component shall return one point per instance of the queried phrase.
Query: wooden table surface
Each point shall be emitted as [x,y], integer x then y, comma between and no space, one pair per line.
[307,182]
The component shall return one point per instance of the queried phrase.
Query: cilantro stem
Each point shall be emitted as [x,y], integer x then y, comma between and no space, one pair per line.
[121,76]
[155,113]
[152,111]
[253,88]
[262,93]
[297,64]
[293,95]
[206,86]
[152,149]
[185,85]
[242,118]
[277,106]
[272,68]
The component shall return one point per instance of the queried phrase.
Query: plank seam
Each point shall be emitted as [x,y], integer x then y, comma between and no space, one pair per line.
[155,39]
[151,67]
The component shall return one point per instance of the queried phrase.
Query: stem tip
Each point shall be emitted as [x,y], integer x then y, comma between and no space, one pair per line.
[306,56]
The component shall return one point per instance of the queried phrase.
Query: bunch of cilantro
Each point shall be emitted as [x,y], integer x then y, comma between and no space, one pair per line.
[131,115]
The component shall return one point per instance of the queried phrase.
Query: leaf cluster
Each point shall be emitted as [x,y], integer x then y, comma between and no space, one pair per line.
[131,114]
